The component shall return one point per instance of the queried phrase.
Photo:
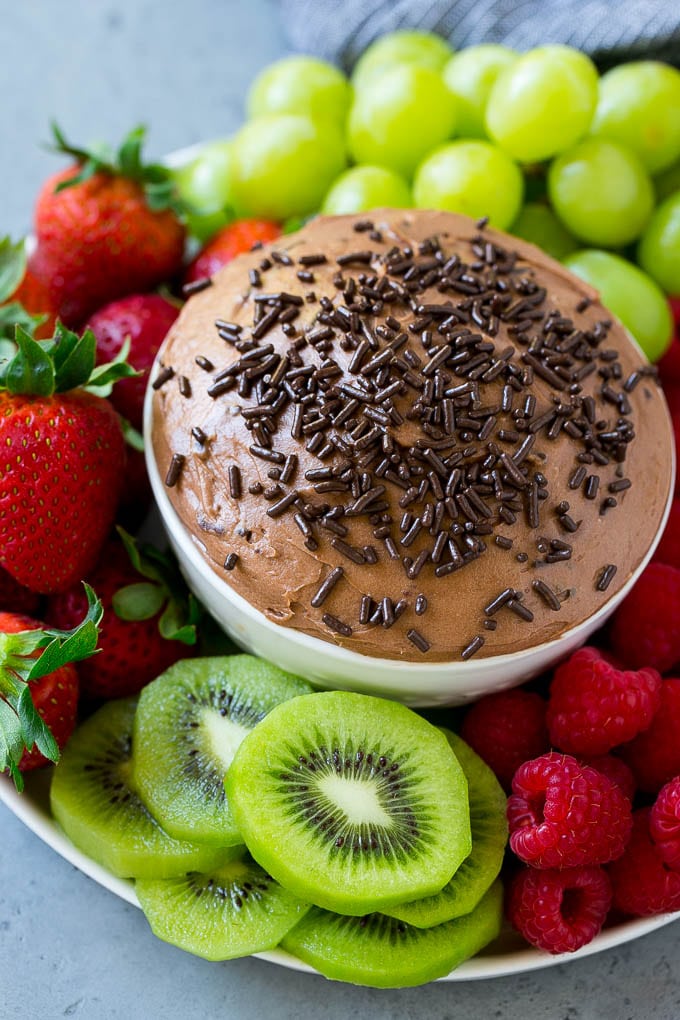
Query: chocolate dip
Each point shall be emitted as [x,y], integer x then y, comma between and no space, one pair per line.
[413,436]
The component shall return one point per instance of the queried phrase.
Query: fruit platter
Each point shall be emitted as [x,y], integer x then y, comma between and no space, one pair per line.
[340,546]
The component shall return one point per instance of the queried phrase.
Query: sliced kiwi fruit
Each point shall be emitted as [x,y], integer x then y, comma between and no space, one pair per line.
[234,910]
[94,800]
[352,802]
[489,829]
[384,952]
[189,723]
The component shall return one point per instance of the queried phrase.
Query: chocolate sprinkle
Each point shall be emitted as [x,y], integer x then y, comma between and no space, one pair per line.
[175,470]
[417,639]
[472,647]
[231,561]
[606,577]
[327,586]
[337,625]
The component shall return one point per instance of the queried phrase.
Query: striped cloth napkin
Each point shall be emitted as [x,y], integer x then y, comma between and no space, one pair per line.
[611,31]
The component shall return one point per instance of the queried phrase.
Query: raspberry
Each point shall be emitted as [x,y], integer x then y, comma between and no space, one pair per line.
[564,815]
[558,911]
[654,756]
[668,549]
[616,770]
[641,882]
[593,706]
[664,823]
[506,729]
[646,627]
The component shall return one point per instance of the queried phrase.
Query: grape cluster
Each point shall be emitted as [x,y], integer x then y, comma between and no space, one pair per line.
[587,167]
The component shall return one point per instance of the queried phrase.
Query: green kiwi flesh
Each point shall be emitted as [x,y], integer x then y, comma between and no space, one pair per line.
[489,838]
[384,952]
[352,802]
[95,802]
[189,723]
[235,910]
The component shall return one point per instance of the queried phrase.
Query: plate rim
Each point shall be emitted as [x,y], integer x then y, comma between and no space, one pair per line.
[37,818]
[28,809]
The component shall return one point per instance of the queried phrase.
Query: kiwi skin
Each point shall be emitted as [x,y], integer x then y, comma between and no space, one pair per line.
[94,800]
[382,952]
[489,827]
[281,790]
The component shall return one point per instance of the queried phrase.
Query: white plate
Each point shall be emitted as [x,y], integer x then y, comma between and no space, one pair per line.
[506,956]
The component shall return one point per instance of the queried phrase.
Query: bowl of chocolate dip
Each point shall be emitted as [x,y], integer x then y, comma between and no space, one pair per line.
[405,454]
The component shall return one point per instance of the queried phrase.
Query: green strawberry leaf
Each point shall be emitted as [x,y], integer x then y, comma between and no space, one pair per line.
[62,646]
[132,437]
[102,377]
[139,601]
[12,315]
[31,370]
[11,743]
[155,179]
[21,726]
[73,357]
[35,730]
[43,367]
[143,564]
[12,266]
[173,625]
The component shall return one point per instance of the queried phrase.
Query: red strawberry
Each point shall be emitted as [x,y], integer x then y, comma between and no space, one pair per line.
[105,229]
[64,459]
[235,239]
[55,695]
[33,294]
[14,598]
[133,651]
[144,319]
[34,730]
[136,497]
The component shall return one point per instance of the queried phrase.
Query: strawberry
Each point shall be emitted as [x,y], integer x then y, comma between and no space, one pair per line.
[63,459]
[14,598]
[39,686]
[235,239]
[149,622]
[22,298]
[33,295]
[136,496]
[105,227]
[145,319]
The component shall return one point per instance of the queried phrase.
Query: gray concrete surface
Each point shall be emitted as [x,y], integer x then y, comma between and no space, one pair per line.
[68,948]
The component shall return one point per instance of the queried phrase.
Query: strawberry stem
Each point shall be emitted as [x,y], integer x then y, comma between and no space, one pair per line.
[21,727]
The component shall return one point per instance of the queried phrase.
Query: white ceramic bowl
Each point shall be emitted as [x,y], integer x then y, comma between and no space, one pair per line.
[328,665]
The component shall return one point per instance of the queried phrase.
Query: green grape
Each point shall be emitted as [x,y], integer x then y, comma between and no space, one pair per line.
[630,294]
[542,103]
[537,223]
[425,49]
[667,182]
[659,248]
[601,192]
[205,185]
[283,165]
[301,85]
[639,106]
[405,113]
[472,177]
[470,75]
[366,187]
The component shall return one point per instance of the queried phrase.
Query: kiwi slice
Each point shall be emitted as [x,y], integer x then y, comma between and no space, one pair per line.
[234,910]
[94,800]
[489,837]
[189,723]
[384,952]
[352,802]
